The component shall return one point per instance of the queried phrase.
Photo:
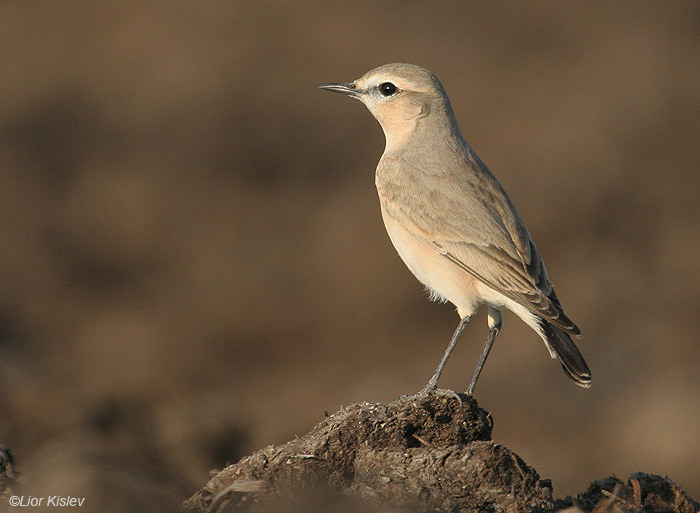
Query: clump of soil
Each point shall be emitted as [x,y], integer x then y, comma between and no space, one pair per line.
[642,492]
[421,453]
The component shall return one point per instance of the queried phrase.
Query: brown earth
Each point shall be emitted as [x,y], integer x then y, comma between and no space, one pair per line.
[420,453]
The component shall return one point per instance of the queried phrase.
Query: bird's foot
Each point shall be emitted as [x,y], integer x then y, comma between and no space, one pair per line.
[441,392]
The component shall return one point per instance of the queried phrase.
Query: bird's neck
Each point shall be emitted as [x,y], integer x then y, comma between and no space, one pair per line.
[424,134]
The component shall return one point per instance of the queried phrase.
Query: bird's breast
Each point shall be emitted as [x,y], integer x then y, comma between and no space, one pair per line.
[444,279]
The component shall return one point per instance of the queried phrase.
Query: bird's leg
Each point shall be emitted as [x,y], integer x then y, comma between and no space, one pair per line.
[495,323]
[432,384]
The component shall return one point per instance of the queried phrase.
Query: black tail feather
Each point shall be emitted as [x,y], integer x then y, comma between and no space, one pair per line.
[569,356]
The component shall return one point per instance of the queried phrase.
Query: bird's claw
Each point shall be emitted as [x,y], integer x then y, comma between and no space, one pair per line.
[442,392]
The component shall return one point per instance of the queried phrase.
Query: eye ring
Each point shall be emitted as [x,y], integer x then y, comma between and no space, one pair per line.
[387,89]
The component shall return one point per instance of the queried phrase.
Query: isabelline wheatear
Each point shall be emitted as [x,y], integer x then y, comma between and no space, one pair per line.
[452,222]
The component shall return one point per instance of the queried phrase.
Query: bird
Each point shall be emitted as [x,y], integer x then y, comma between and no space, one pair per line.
[451,221]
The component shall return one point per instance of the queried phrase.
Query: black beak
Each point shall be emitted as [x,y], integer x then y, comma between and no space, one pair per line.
[346,88]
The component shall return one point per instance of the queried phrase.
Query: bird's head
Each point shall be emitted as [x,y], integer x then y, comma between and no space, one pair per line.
[399,96]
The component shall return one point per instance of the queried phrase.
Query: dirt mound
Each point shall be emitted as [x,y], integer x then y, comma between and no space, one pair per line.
[420,453]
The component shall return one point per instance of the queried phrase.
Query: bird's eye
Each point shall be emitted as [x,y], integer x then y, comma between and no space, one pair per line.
[387,88]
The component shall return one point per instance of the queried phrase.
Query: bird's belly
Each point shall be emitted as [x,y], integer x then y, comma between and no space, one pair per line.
[444,279]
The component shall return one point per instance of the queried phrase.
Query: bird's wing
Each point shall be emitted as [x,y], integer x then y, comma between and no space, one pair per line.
[470,220]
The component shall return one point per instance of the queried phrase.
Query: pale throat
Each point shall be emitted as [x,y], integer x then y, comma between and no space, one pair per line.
[397,131]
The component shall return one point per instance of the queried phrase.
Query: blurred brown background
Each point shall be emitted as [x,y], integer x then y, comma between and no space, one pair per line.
[193,264]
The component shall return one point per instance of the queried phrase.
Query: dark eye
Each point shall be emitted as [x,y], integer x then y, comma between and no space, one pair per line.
[387,88]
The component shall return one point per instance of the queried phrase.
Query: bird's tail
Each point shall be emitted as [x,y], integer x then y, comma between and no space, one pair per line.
[560,345]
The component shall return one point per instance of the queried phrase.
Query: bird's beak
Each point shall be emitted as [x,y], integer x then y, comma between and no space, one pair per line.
[346,88]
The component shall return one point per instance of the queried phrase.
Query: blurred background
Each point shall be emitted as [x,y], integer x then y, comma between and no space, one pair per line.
[193,264]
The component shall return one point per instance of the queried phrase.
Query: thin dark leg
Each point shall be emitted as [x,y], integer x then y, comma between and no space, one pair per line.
[482,359]
[432,384]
